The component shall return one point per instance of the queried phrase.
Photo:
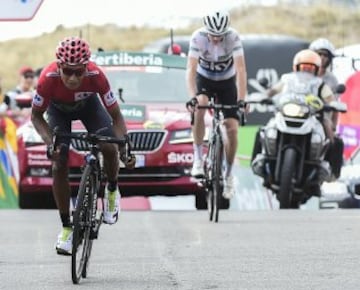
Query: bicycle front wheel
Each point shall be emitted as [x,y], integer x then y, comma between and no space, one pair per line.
[82,244]
[209,175]
[218,176]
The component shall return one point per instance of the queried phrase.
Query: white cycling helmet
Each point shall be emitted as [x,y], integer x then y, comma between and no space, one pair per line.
[217,22]
[323,44]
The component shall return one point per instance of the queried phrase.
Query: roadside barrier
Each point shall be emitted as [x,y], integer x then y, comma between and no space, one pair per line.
[9,164]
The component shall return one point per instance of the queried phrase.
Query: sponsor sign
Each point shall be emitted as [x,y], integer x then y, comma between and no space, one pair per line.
[133,112]
[19,10]
[174,157]
[128,58]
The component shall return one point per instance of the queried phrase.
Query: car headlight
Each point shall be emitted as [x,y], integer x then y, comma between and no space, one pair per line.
[185,136]
[294,110]
[181,136]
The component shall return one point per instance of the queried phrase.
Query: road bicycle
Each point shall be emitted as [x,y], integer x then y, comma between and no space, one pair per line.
[213,180]
[87,218]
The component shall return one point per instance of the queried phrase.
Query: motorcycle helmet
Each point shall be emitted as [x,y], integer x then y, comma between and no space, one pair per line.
[323,46]
[307,60]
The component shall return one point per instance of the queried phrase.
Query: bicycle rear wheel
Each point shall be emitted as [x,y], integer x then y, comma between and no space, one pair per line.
[82,244]
[218,176]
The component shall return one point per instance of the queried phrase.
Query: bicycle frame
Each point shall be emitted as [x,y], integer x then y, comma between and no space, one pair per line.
[87,219]
[213,166]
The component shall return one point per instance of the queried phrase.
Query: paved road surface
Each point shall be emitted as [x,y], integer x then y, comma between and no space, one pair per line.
[182,250]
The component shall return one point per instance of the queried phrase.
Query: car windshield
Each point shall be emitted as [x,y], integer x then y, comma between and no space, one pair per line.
[148,84]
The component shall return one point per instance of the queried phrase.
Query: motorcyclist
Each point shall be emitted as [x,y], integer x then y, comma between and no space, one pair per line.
[304,79]
[326,50]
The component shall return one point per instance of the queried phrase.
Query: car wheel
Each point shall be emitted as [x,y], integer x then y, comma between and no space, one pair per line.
[200,200]
[36,200]
[201,203]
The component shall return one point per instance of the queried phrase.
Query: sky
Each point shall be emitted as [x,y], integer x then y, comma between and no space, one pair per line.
[70,13]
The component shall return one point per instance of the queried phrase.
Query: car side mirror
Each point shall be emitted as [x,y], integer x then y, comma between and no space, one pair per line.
[340,89]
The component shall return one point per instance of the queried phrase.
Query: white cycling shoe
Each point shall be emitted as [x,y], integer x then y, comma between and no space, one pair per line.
[64,242]
[111,206]
[229,190]
[198,169]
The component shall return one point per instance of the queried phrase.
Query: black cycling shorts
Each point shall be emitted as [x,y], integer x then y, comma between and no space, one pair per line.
[224,90]
[91,113]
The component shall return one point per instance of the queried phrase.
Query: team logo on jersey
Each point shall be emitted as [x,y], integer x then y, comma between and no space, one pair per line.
[109,99]
[82,95]
[218,66]
[38,100]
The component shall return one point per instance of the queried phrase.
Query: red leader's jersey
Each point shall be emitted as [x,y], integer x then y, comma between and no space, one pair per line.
[50,87]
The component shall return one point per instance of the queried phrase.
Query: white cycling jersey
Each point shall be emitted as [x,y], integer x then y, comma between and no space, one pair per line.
[216,61]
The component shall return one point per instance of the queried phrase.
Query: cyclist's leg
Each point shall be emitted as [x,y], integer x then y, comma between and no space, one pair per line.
[227,95]
[61,185]
[226,92]
[198,127]
[97,120]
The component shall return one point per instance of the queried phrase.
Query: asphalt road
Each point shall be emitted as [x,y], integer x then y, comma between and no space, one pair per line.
[182,250]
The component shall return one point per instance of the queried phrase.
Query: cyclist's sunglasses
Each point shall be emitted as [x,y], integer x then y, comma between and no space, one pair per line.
[77,72]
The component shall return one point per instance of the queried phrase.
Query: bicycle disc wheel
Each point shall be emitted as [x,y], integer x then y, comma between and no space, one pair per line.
[82,226]
[217,180]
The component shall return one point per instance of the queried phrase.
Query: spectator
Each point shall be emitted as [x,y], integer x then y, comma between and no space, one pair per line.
[26,86]
[1,95]
[3,106]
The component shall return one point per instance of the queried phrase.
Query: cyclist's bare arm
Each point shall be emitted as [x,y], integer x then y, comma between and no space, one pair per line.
[191,76]
[241,76]
[41,126]
[119,125]
[328,96]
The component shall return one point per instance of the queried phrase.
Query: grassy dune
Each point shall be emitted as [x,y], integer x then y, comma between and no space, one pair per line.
[337,23]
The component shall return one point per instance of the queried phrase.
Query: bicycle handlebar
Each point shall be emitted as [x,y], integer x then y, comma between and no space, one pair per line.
[92,138]
[95,139]
[222,106]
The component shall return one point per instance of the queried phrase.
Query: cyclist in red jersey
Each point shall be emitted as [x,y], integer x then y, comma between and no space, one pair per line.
[68,90]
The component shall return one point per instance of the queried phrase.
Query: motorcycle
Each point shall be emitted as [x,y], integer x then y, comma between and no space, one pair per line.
[293,147]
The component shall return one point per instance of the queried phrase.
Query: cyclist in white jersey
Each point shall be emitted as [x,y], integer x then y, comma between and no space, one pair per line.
[216,65]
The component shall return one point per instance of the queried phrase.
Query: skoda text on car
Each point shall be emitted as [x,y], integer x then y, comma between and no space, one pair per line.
[152,95]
